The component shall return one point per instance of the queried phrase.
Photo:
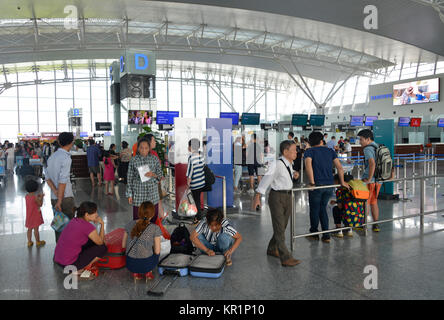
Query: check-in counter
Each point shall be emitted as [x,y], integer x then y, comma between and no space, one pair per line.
[79,164]
[406,148]
[399,149]
[438,148]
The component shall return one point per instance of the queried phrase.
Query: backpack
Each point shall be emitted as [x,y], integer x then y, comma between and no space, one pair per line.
[384,163]
[180,240]
[210,179]
[359,190]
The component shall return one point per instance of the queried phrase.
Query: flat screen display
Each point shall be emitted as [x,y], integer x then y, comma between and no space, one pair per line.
[140,117]
[415,122]
[166,117]
[234,116]
[421,91]
[299,120]
[317,120]
[403,121]
[356,121]
[103,126]
[441,123]
[369,120]
[252,119]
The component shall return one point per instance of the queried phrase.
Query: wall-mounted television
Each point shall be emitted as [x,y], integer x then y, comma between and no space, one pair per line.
[234,116]
[317,120]
[299,120]
[421,91]
[403,121]
[415,122]
[252,119]
[356,121]
[369,120]
[441,123]
[140,117]
[166,117]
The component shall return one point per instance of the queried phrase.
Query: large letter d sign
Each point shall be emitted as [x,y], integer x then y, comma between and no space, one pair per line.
[137,58]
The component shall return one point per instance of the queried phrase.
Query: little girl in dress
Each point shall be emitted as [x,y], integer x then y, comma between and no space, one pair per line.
[34,201]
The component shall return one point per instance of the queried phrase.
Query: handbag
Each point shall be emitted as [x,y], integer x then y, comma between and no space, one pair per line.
[60,221]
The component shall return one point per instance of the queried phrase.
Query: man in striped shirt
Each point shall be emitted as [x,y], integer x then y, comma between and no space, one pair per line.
[195,173]
[215,234]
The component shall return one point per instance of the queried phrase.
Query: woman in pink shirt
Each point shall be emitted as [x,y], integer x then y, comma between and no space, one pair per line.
[80,244]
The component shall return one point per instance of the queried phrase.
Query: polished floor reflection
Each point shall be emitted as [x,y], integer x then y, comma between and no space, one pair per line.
[408,259]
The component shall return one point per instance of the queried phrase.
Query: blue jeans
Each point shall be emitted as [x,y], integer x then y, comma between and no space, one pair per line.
[318,200]
[224,242]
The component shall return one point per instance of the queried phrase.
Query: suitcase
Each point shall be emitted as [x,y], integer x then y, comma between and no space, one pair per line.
[175,263]
[115,258]
[208,267]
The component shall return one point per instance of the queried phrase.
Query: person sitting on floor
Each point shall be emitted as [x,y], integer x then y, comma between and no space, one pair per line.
[215,234]
[142,243]
[80,244]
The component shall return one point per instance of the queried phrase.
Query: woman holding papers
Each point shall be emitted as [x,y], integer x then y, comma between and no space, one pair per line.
[144,174]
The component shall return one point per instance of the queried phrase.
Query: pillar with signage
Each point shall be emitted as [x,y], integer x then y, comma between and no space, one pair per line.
[114,75]
[137,70]
[384,133]
[219,155]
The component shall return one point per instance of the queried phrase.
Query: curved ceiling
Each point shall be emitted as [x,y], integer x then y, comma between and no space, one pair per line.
[272,35]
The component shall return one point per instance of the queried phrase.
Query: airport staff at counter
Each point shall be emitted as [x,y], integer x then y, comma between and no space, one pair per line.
[280,177]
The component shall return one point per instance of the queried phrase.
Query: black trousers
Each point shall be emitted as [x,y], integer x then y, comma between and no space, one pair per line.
[123,171]
[196,196]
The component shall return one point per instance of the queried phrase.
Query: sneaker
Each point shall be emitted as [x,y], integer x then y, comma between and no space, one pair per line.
[30,244]
[326,240]
[316,237]
[338,234]
[40,244]
[349,233]
[237,191]
[375,228]
[251,191]
[359,228]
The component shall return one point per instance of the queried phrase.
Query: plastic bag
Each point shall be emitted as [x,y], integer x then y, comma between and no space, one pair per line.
[187,207]
[59,222]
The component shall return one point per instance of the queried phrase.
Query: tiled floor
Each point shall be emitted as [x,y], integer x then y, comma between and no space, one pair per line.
[409,260]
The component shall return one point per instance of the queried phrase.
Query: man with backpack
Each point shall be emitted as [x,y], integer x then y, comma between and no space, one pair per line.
[366,140]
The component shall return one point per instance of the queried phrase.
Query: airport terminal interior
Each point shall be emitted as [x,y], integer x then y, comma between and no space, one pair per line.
[235,76]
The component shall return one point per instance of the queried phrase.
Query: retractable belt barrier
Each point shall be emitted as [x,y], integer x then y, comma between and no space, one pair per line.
[421,213]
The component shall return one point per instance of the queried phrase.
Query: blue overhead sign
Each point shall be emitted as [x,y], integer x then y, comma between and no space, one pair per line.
[138,62]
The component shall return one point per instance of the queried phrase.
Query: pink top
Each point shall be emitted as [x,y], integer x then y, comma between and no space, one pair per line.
[33,214]
[70,243]
[108,175]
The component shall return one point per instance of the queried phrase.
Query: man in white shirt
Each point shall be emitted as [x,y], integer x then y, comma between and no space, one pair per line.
[280,178]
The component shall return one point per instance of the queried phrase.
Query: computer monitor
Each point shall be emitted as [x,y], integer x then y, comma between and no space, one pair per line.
[252,119]
[166,117]
[299,120]
[403,121]
[234,116]
[369,120]
[317,120]
[356,121]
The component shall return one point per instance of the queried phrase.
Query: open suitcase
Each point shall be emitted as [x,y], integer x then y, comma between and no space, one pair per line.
[176,263]
[115,258]
[205,266]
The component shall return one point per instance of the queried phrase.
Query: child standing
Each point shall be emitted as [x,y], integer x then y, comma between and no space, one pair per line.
[348,211]
[34,201]
[108,175]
